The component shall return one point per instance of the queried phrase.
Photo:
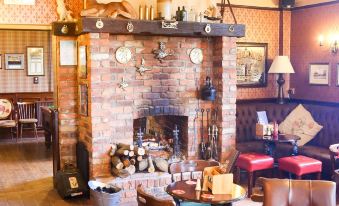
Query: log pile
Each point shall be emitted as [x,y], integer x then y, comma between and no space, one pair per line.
[128,159]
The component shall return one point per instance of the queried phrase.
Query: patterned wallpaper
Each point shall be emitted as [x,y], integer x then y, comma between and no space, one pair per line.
[43,12]
[307,26]
[262,26]
[12,81]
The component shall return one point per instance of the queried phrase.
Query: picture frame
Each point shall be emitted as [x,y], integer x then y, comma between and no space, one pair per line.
[14,61]
[82,62]
[319,74]
[35,61]
[83,99]
[251,64]
[68,53]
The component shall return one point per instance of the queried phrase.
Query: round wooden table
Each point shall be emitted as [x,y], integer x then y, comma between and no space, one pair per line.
[270,143]
[181,191]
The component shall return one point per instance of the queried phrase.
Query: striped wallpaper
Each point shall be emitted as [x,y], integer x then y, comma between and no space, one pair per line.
[17,42]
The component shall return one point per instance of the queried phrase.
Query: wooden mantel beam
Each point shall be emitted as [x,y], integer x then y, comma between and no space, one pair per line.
[152,28]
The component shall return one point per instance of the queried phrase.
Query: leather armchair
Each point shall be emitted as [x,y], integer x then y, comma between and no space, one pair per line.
[296,192]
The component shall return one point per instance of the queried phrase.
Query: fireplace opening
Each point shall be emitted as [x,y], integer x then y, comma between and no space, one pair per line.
[158,134]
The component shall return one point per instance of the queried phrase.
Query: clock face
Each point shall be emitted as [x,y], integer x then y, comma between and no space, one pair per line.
[196,56]
[123,55]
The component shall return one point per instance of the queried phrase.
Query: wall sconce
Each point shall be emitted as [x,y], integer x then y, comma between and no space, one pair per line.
[334,43]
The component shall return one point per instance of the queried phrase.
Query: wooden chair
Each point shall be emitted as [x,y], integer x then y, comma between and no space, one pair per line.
[145,199]
[190,166]
[8,116]
[27,115]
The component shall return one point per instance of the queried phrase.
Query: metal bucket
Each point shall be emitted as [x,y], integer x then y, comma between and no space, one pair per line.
[102,198]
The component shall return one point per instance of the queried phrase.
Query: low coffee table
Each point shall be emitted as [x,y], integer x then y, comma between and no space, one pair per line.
[186,192]
[270,143]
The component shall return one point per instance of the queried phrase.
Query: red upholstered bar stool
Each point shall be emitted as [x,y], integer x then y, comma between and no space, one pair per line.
[252,162]
[300,165]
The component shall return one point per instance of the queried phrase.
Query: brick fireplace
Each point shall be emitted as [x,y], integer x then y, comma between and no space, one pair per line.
[170,88]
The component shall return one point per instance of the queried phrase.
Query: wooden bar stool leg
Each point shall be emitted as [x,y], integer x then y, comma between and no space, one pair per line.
[237,175]
[250,184]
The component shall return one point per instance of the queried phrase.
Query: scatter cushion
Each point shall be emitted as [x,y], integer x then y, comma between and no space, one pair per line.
[301,123]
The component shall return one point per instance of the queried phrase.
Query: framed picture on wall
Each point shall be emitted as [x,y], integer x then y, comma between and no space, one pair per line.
[14,61]
[68,53]
[35,61]
[83,99]
[319,74]
[82,63]
[251,64]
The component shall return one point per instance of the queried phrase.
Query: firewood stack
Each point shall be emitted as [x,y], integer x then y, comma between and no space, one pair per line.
[128,159]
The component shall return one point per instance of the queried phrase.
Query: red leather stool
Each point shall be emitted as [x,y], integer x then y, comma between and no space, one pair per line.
[252,162]
[300,165]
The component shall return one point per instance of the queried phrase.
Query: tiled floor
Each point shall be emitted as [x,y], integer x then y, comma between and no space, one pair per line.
[26,177]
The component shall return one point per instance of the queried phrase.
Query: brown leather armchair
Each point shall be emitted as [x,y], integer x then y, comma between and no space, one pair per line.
[296,192]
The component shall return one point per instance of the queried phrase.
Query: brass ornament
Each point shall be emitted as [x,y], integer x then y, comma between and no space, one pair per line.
[161,53]
[64,29]
[208,28]
[142,69]
[123,84]
[130,27]
[99,24]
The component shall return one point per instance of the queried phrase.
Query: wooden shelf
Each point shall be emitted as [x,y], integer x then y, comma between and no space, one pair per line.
[141,27]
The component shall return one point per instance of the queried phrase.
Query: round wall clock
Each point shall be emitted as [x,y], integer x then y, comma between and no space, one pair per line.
[123,55]
[196,56]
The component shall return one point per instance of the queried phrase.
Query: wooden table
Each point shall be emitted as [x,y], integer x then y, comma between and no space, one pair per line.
[270,143]
[191,195]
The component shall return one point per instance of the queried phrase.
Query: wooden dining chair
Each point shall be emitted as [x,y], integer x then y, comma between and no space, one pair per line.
[145,199]
[190,166]
[8,116]
[27,116]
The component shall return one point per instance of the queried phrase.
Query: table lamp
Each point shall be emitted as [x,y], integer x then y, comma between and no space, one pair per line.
[281,65]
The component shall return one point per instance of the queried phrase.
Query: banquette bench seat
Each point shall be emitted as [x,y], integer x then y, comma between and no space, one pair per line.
[325,114]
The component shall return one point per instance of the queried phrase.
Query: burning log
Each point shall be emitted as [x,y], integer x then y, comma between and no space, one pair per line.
[117,163]
[151,168]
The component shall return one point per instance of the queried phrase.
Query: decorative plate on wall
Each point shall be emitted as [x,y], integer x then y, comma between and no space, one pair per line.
[123,55]
[196,56]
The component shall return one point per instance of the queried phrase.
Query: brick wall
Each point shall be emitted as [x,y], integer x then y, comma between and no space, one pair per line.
[169,89]
[66,93]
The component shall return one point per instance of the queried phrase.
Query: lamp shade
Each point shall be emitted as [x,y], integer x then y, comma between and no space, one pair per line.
[281,65]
